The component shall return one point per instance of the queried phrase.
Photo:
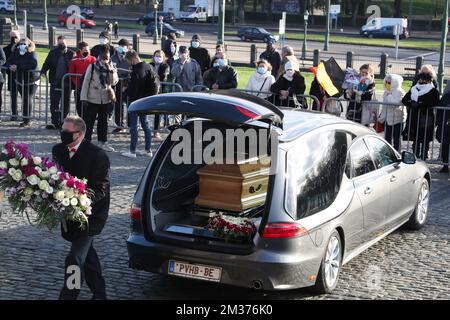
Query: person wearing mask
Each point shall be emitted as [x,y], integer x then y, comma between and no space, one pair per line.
[287,87]
[78,65]
[57,65]
[429,69]
[287,55]
[222,76]
[2,78]
[162,69]
[394,115]
[200,54]
[272,56]
[11,76]
[186,70]
[219,50]
[81,159]
[116,30]
[97,94]
[443,127]
[123,67]
[144,82]
[104,40]
[420,101]
[24,66]
[262,80]
[365,91]
[170,48]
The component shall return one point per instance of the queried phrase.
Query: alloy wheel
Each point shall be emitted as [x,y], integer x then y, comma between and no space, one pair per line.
[332,261]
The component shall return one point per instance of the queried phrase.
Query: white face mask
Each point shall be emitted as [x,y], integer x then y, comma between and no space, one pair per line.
[103,41]
[22,49]
[157,60]
[290,73]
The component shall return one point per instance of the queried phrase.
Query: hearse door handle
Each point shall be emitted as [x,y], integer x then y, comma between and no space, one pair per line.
[368,190]
[393,178]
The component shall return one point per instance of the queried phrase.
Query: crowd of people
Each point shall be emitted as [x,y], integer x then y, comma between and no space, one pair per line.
[110,77]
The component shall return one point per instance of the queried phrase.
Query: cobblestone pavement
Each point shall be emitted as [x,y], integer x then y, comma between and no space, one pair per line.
[405,265]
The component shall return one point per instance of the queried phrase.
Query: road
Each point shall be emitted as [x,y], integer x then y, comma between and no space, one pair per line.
[239,51]
[405,265]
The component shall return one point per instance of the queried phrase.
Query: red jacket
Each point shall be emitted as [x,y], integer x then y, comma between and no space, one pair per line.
[78,65]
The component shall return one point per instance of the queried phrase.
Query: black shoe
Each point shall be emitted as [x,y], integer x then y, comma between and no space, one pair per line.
[50,127]
[444,169]
[13,118]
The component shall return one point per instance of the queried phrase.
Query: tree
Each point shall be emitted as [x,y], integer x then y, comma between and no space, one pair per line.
[241,11]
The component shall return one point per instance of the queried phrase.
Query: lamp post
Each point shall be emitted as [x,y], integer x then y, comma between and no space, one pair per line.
[441,74]
[155,12]
[45,26]
[304,48]
[221,31]
[327,34]
[15,12]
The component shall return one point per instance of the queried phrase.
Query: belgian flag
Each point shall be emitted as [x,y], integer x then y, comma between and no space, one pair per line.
[330,76]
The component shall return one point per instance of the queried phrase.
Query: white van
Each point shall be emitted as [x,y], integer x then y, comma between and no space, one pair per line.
[384,28]
[202,10]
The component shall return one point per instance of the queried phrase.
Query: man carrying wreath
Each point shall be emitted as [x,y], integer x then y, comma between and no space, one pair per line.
[84,160]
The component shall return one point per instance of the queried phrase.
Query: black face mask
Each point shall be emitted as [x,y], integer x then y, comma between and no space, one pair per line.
[62,47]
[85,54]
[67,137]
[13,40]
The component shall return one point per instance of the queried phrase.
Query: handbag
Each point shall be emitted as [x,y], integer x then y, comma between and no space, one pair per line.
[379,127]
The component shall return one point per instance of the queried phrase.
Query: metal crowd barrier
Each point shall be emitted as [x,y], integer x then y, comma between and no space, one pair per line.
[13,94]
[426,134]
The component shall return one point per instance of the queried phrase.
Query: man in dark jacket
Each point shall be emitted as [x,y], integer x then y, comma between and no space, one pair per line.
[144,82]
[123,66]
[84,160]
[104,39]
[12,86]
[200,54]
[221,77]
[273,57]
[57,65]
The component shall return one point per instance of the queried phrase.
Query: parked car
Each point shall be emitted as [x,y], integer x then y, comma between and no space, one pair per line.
[87,12]
[84,22]
[334,189]
[167,29]
[168,17]
[252,33]
[385,32]
[6,6]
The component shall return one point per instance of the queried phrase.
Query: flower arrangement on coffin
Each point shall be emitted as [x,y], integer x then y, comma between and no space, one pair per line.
[231,228]
[37,183]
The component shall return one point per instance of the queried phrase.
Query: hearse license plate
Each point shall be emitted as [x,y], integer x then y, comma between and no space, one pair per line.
[196,271]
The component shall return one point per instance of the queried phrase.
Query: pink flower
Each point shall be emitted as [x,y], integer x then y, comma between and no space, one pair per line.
[80,186]
[70,182]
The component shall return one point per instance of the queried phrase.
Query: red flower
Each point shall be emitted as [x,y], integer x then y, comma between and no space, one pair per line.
[70,182]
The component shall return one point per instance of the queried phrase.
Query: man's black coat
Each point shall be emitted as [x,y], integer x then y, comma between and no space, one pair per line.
[92,163]
[51,63]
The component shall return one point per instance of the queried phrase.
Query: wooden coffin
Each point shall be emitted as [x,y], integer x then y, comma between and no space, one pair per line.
[233,187]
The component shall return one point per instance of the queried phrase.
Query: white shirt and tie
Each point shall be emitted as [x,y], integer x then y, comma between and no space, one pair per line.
[73,150]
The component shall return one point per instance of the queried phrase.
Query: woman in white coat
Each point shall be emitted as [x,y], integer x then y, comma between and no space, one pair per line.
[394,113]
[261,80]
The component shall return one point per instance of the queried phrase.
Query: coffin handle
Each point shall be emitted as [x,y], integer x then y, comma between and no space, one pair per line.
[252,189]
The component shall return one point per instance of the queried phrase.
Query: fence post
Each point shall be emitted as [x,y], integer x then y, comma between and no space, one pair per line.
[419,63]
[383,65]
[136,42]
[349,62]
[51,37]
[80,36]
[252,55]
[316,59]
[30,34]
[163,40]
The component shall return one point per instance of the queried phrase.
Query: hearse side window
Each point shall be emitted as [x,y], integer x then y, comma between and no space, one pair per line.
[360,158]
[381,153]
[316,166]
